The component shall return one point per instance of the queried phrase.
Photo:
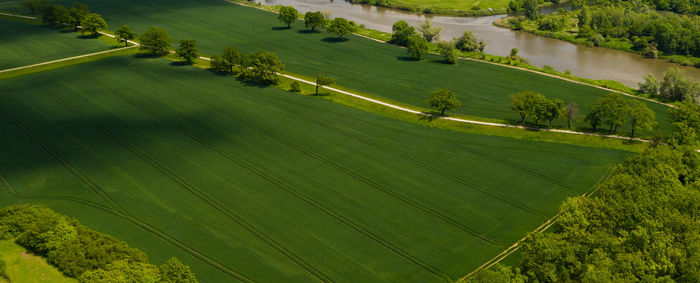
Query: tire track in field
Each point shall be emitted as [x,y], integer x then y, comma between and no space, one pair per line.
[261,173]
[523,169]
[195,191]
[363,139]
[120,212]
[341,168]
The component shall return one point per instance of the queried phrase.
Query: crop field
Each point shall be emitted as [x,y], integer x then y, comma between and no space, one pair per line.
[359,63]
[250,183]
[28,43]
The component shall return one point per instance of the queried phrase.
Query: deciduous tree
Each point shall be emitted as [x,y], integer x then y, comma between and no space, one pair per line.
[430,33]
[288,15]
[571,113]
[187,51]
[322,80]
[641,117]
[93,22]
[263,68]
[401,32]
[525,104]
[341,27]
[124,34]
[314,20]
[173,271]
[442,100]
[155,41]
[467,42]
[417,47]
[448,51]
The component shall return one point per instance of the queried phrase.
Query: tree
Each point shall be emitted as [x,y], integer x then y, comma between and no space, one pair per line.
[641,117]
[55,15]
[232,57]
[683,135]
[467,42]
[688,113]
[314,20]
[448,50]
[77,12]
[93,22]
[615,111]
[513,53]
[173,271]
[401,32]
[525,103]
[584,17]
[442,100]
[571,113]
[677,87]
[417,47]
[263,68]
[124,34]
[430,32]
[482,46]
[341,27]
[551,109]
[595,115]
[288,15]
[187,51]
[650,85]
[35,6]
[155,41]
[322,80]
[532,9]
[123,271]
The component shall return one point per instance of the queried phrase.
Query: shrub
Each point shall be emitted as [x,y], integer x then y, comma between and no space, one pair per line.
[295,87]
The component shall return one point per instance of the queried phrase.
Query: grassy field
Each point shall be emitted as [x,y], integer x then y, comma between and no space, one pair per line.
[28,43]
[27,268]
[258,183]
[360,64]
[447,7]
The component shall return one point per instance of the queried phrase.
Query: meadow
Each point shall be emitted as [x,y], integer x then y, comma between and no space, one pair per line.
[359,64]
[26,43]
[23,267]
[252,183]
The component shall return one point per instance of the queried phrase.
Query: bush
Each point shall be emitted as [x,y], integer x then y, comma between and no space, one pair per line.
[3,270]
[295,87]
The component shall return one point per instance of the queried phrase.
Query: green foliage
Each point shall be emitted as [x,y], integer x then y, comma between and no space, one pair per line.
[124,34]
[677,87]
[78,12]
[93,22]
[550,109]
[526,104]
[155,42]
[532,9]
[341,27]
[295,87]
[448,51]
[35,6]
[322,80]
[231,60]
[76,250]
[642,226]
[123,271]
[571,113]
[314,20]
[288,15]
[417,47]
[641,117]
[430,33]
[595,114]
[3,270]
[263,68]
[187,51]
[173,271]
[551,22]
[401,32]
[467,42]
[686,121]
[615,110]
[442,100]
[650,85]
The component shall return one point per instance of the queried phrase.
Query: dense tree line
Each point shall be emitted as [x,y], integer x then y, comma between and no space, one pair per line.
[71,18]
[647,31]
[540,108]
[80,252]
[261,67]
[642,225]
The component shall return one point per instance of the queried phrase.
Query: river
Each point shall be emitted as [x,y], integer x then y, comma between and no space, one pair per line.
[582,61]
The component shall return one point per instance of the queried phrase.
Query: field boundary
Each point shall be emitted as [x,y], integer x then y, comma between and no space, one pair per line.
[65,59]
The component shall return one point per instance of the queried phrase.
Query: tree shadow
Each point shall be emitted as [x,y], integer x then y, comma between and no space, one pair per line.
[179,63]
[307,31]
[281,28]
[406,58]
[88,36]
[334,39]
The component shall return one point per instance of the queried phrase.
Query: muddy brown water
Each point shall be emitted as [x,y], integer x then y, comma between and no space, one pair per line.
[582,61]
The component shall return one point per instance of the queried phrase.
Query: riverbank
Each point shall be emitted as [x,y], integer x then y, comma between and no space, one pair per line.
[520,63]
[571,34]
[470,8]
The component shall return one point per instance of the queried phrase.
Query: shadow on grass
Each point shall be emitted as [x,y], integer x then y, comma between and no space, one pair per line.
[308,31]
[87,36]
[179,63]
[334,39]
[281,28]
[406,58]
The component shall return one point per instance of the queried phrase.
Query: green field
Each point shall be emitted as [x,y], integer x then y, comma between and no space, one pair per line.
[361,64]
[27,268]
[26,43]
[259,183]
